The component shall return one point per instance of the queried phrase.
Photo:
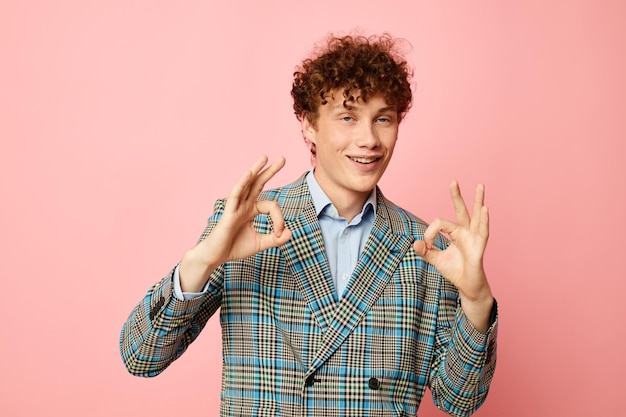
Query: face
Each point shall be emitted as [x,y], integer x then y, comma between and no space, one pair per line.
[354,144]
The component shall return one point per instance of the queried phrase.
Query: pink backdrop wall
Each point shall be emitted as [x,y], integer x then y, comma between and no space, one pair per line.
[122,122]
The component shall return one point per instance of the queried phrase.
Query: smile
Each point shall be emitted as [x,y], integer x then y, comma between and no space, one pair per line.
[364,160]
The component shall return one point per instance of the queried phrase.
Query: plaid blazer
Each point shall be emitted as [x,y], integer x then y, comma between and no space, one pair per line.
[292,348]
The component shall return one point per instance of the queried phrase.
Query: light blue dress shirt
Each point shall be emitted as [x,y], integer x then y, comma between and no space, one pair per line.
[343,241]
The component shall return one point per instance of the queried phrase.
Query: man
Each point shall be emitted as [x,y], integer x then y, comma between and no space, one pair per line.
[333,301]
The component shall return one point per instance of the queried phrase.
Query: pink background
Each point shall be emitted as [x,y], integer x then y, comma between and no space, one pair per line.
[122,122]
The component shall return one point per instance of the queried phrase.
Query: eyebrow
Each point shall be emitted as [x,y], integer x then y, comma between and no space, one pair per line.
[346,106]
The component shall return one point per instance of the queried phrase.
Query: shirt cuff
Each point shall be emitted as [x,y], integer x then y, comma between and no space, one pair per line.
[178,292]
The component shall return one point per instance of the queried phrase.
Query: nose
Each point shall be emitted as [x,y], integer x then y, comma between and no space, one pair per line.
[368,136]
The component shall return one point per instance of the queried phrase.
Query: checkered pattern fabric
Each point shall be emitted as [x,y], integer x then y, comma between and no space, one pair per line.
[292,348]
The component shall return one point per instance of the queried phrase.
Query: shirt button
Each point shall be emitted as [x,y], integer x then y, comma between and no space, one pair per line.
[345,232]
[373,383]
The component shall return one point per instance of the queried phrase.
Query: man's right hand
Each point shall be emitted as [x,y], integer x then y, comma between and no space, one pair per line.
[234,236]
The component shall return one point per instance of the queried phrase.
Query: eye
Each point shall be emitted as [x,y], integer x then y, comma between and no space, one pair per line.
[347,118]
[386,119]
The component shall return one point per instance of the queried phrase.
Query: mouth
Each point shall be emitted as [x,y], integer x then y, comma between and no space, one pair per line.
[364,160]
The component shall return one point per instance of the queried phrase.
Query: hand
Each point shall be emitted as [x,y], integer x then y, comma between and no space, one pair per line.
[234,236]
[462,262]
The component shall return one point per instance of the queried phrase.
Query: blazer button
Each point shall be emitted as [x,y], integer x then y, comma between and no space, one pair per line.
[310,381]
[373,383]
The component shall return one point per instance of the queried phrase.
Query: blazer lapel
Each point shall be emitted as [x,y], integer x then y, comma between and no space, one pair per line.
[305,253]
[385,247]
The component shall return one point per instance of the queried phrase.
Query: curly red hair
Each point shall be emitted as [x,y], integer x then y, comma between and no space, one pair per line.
[372,65]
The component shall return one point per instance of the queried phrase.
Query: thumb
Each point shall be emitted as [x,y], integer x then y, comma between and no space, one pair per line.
[422,250]
[270,240]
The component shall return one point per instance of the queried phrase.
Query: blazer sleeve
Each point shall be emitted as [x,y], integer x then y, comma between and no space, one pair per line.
[161,327]
[465,359]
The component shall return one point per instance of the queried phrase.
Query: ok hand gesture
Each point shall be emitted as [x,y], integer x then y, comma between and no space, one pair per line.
[462,262]
[234,236]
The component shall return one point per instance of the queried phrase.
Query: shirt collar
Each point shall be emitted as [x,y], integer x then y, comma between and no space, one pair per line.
[321,200]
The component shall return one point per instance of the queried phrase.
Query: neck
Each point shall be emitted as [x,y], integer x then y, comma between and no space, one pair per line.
[348,204]
[347,199]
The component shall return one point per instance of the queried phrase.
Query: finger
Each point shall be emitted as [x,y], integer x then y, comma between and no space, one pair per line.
[280,235]
[460,209]
[258,165]
[420,247]
[267,174]
[479,202]
[249,184]
[271,240]
[429,255]
[483,229]
[251,175]
[272,209]
[239,191]
[438,225]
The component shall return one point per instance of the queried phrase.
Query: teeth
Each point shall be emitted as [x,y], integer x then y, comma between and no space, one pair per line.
[364,160]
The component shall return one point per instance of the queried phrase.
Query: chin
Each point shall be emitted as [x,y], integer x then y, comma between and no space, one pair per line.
[365,186]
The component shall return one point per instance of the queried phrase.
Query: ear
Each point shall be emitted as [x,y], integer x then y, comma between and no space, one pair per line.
[308,130]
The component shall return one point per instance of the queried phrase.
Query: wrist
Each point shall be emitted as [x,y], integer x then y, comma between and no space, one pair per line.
[194,272]
[478,310]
